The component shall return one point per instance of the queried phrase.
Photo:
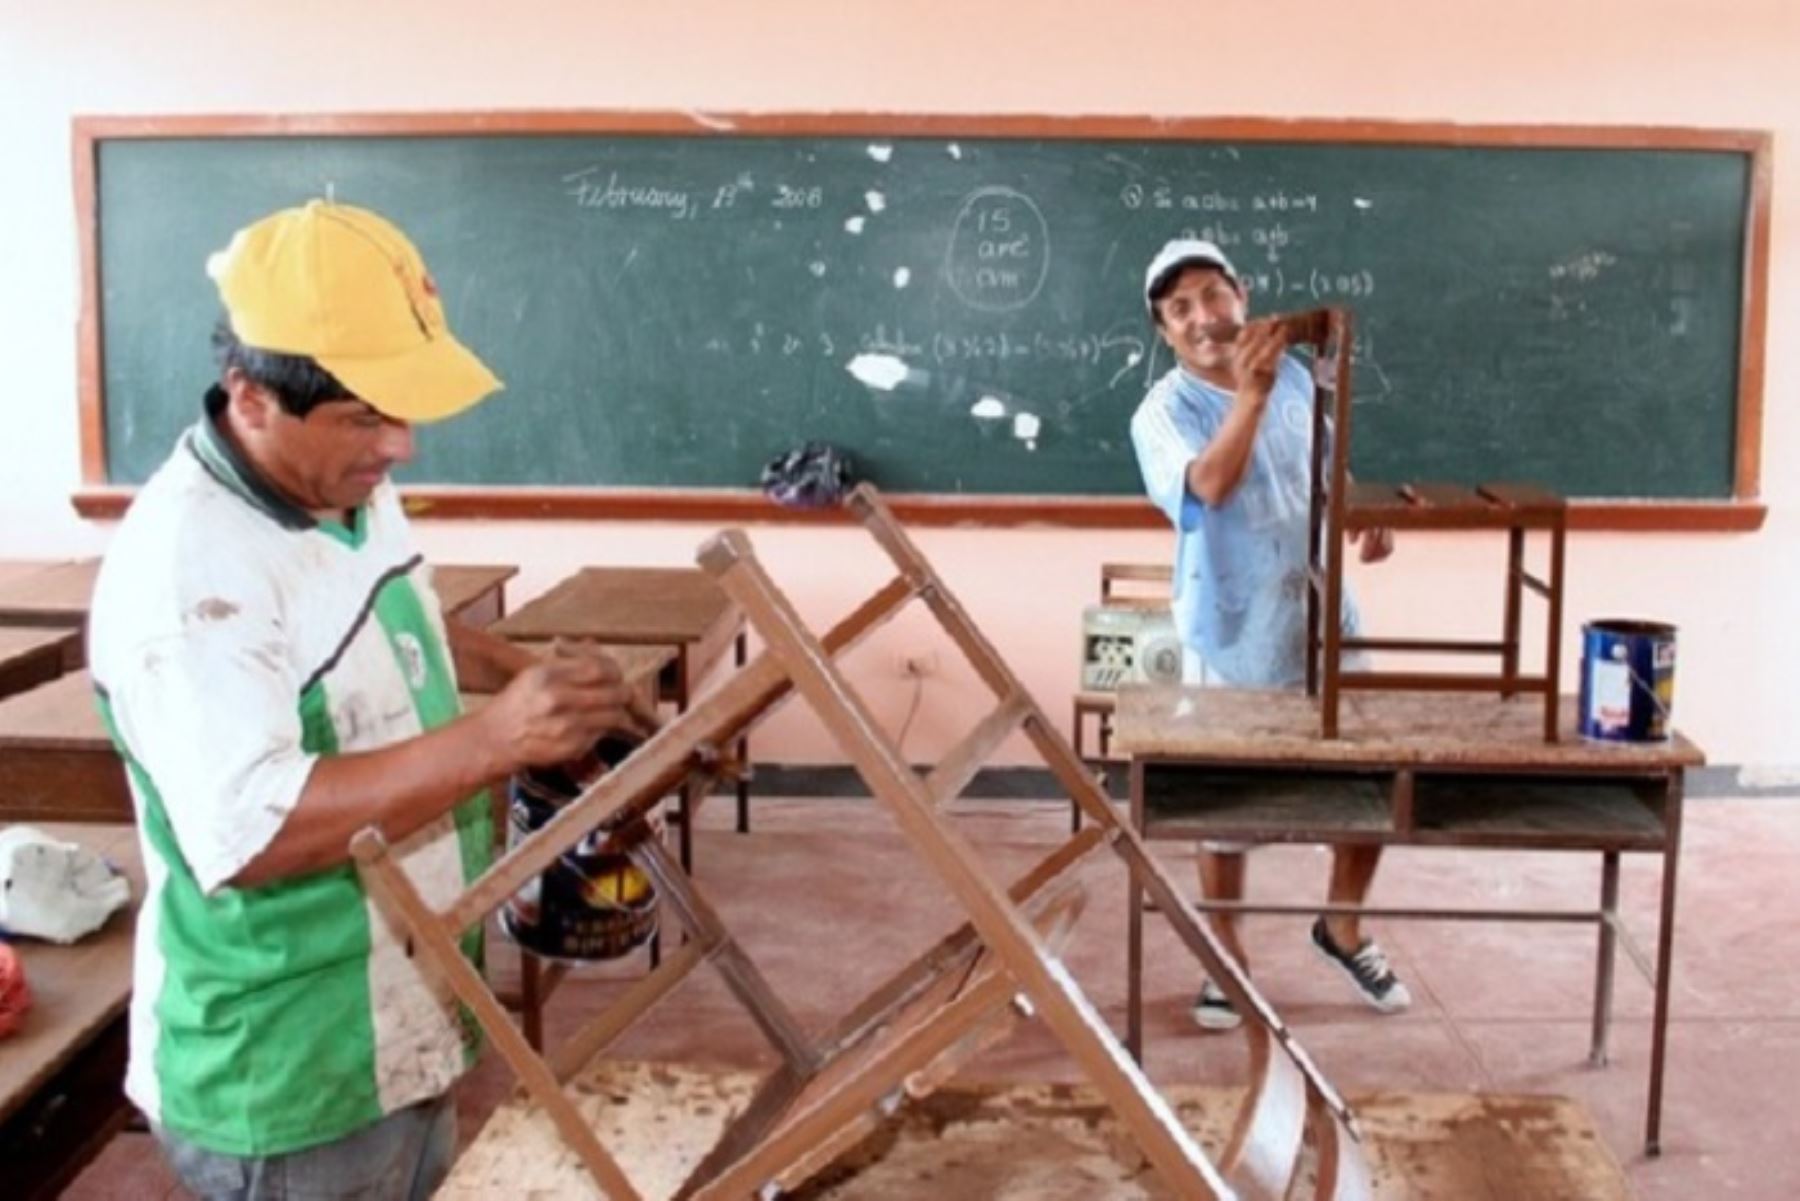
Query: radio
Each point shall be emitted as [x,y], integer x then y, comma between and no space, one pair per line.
[1134,644]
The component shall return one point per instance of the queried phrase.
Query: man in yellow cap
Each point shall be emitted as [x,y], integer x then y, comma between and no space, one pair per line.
[276,673]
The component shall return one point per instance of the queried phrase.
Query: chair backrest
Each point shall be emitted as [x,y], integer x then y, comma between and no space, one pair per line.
[1135,585]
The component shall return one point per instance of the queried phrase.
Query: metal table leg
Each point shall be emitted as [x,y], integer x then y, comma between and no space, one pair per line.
[1603,979]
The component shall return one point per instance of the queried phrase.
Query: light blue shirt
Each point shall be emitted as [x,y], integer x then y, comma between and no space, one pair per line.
[1240,567]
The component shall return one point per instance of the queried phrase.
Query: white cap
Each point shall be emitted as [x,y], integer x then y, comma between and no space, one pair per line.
[1183,252]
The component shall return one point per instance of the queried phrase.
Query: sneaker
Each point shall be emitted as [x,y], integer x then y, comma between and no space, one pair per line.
[1367,969]
[1212,1011]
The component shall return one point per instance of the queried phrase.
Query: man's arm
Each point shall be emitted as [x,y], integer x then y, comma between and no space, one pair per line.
[551,712]
[1215,473]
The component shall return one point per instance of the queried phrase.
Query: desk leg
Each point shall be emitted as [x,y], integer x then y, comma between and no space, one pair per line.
[1603,979]
[1665,958]
[1134,931]
[688,804]
[742,656]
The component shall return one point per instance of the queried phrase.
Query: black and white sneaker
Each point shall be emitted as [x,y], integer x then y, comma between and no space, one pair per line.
[1367,970]
[1212,1011]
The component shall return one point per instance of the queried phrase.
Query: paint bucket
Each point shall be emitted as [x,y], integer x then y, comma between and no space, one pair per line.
[1627,680]
[593,903]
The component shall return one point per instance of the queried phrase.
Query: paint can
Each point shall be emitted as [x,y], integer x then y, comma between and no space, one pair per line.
[593,903]
[1627,680]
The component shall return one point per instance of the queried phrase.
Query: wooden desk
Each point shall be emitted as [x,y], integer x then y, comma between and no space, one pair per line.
[55,594]
[30,656]
[473,594]
[62,1076]
[12,570]
[56,762]
[679,607]
[1411,769]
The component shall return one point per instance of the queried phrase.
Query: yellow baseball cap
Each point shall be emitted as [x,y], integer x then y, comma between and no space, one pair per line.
[345,287]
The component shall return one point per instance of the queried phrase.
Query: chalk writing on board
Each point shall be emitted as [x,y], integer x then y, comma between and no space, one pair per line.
[999,254]
[789,197]
[1285,288]
[1163,198]
[591,190]
[1115,350]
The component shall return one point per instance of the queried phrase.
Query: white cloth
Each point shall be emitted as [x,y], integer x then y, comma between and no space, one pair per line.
[55,890]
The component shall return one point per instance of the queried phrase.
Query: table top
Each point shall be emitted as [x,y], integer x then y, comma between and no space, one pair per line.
[639,665]
[460,584]
[76,990]
[48,590]
[18,642]
[62,714]
[18,569]
[59,715]
[626,605]
[56,593]
[1378,728]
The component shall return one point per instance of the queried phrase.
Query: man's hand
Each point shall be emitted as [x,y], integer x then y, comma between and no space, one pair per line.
[1256,355]
[1376,543]
[555,710]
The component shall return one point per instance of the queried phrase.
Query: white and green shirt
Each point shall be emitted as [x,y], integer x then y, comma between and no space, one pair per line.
[235,640]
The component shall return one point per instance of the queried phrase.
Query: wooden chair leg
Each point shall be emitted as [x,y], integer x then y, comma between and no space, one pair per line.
[1343,1170]
[531,1000]
[1515,591]
[1553,631]
[1075,737]
[740,656]
[1265,1144]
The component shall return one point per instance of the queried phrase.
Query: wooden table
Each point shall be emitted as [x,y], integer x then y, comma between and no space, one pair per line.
[474,594]
[58,594]
[1410,769]
[17,569]
[56,762]
[55,594]
[62,1074]
[680,607]
[31,656]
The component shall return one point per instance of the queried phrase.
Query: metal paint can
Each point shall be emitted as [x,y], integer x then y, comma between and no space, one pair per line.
[593,903]
[1627,680]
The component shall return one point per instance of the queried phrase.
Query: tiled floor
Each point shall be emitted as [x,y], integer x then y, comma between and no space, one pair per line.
[829,899]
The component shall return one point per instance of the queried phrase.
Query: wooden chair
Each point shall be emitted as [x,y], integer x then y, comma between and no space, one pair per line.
[1124,586]
[1340,507]
[918,1026]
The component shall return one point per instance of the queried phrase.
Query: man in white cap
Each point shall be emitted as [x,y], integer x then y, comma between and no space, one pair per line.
[1224,442]
[276,673]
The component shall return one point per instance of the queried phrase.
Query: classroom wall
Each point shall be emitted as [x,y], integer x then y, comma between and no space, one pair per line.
[1674,62]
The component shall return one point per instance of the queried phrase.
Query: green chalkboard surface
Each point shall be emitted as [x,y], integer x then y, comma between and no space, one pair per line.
[962,313]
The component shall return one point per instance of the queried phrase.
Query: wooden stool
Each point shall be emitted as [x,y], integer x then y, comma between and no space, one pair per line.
[1340,507]
[1122,586]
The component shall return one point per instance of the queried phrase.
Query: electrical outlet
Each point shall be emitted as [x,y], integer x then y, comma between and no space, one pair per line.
[916,665]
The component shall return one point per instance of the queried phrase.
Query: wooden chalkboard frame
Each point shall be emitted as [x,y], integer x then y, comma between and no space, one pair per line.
[1743,511]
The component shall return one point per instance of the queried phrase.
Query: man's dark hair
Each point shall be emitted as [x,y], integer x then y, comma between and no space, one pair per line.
[300,385]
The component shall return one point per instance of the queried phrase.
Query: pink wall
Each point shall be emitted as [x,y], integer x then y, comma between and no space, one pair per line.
[1678,62]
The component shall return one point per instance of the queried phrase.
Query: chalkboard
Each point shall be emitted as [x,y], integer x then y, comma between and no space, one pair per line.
[961,311]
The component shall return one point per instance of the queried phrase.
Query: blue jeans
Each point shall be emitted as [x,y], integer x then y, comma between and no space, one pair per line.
[403,1157]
